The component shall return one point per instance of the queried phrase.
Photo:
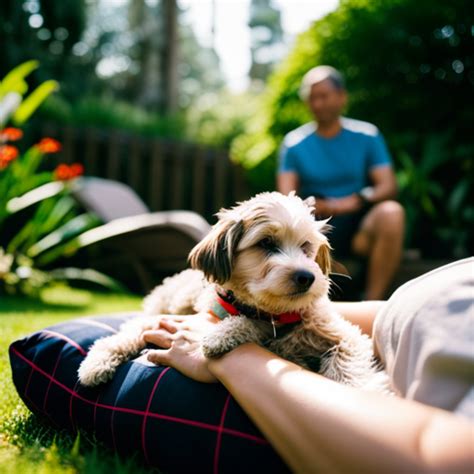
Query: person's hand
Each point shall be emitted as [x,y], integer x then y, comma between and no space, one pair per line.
[181,336]
[323,208]
[349,204]
[337,206]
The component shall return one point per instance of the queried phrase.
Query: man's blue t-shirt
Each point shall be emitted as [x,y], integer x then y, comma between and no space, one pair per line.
[334,167]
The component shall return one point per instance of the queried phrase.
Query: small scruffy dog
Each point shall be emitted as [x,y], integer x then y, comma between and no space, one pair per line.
[263,270]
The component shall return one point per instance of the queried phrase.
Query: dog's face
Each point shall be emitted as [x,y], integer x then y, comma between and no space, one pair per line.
[269,251]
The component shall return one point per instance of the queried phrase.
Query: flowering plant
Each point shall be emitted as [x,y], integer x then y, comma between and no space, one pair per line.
[38,215]
[19,173]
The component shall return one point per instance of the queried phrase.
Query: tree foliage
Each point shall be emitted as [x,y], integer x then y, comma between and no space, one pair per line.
[266,35]
[46,31]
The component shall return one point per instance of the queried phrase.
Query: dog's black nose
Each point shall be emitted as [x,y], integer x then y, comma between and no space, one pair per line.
[303,279]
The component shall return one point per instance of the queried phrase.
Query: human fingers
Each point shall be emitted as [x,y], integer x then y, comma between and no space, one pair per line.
[170,325]
[159,337]
[159,356]
[194,327]
[177,318]
[168,317]
[185,356]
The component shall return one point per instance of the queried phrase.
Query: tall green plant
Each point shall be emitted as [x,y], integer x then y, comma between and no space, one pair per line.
[418,188]
[14,101]
[29,255]
[43,196]
[449,210]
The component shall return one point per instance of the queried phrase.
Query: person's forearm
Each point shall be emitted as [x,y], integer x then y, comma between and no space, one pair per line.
[360,313]
[353,203]
[317,425]
[287,182]
[384,191]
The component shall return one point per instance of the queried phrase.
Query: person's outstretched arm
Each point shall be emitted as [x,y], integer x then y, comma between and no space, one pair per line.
[360,313]
[318,425]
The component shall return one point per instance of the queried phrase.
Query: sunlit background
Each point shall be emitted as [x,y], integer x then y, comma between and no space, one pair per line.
[222,76]
[222,25]
[225,26]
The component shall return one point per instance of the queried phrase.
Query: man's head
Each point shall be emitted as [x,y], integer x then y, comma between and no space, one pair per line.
[323,89]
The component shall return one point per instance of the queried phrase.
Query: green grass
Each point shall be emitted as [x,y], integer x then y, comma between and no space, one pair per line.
[26,445]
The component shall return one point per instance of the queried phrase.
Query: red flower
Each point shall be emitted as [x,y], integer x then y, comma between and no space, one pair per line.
[7,153]
[64,172]
[77,169]
[10,134]
[48,145]
[61,172]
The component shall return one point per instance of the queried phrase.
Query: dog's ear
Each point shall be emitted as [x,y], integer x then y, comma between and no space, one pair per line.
[215,254]
[323,258]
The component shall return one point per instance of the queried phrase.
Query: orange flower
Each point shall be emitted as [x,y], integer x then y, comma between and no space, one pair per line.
[48,145]
[64,172]
[10,134]
[61,172]
[77,169]
[7,153]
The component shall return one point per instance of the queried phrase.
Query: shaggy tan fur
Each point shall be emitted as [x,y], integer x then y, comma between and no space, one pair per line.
[256,250]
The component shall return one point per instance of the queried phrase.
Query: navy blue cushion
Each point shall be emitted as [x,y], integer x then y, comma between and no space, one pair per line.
[174,423]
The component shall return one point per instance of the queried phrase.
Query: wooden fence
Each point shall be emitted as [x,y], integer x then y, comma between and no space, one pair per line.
[166,174]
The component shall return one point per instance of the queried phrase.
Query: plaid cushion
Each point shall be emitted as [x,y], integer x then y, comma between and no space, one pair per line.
[174,423]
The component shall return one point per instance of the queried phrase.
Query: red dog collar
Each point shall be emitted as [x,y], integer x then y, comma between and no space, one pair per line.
[226,305]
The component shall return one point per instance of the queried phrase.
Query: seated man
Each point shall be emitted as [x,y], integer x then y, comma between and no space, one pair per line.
[345,165]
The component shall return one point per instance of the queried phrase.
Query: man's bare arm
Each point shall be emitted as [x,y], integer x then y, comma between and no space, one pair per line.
[384,183]
[287,181]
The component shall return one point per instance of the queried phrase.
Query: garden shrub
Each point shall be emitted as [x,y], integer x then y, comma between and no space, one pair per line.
[52,216]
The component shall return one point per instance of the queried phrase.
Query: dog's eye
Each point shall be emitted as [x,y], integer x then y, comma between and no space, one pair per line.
[268,244]
[307,248]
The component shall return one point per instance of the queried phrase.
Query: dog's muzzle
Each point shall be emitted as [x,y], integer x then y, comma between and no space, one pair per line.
[303,280]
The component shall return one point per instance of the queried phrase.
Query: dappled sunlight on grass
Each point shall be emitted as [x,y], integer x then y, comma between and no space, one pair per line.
[27,445]
[68,301]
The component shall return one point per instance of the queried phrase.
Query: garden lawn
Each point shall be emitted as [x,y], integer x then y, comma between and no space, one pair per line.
[26,445]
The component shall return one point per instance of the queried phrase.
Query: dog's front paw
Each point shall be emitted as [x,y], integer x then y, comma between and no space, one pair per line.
[96,369]
[213,347]
[229,334]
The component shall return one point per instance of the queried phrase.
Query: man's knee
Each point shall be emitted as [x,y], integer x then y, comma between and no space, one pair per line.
[389,217]
[386,220]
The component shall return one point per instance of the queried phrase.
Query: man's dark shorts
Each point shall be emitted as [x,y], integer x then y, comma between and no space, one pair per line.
[344,228]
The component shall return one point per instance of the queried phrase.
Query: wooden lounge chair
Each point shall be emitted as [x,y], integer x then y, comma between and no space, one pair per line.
[134,245]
